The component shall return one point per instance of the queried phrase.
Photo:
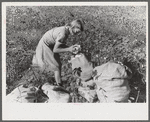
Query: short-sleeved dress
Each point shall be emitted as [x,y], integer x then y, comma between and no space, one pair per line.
[44,57]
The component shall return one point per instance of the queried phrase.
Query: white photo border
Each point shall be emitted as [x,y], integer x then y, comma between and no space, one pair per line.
[70,111]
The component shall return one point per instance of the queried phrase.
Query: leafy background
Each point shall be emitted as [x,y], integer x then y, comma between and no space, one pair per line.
[115,33]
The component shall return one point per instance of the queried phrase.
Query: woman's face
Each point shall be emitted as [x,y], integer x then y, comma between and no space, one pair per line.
[76,29]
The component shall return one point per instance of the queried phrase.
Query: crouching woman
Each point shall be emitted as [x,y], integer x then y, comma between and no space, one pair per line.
[51,44]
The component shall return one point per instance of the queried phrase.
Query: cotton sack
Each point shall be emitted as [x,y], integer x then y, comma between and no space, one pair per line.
[81,67]
[56,94]
[112,82]
[22,94]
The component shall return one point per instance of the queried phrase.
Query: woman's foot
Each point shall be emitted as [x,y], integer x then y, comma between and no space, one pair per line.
[60,84]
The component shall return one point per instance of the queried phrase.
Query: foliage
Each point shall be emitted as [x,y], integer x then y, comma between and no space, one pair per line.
[110,33]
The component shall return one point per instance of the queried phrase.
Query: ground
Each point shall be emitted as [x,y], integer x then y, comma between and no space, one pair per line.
[115,33]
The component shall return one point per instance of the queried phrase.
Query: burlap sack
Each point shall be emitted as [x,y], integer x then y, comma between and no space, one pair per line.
[81,67]
[23,94]
[56,94]
[112,82]
[88,94]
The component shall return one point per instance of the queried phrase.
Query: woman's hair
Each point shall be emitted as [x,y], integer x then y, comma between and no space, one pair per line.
[76,22]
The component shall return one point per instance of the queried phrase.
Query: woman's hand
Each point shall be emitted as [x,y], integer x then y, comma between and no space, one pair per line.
[59,49]
[73,48]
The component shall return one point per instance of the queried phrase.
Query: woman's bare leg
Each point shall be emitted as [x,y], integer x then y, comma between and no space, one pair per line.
[57,77]
[58,71]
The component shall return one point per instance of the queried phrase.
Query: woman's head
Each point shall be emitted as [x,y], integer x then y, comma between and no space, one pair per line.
[76,26]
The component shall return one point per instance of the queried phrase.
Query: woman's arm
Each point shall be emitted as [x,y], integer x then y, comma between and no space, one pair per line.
[59,47]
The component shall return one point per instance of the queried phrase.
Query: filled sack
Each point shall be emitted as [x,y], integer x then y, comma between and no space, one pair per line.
[88,94]
[82,68]
[112,82]
[23,94]
[56,94]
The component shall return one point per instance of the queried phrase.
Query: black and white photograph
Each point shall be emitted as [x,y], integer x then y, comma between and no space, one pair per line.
[92,53]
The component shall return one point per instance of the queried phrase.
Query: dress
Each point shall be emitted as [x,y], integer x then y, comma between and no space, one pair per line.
[44,57]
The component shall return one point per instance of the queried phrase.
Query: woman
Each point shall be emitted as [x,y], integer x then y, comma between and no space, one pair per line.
[51,44]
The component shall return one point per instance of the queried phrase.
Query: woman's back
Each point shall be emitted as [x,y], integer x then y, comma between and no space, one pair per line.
[50,36]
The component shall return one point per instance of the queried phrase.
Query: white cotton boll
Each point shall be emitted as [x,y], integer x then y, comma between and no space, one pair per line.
[76,49]
[78,56]
[97,55]
[105,58]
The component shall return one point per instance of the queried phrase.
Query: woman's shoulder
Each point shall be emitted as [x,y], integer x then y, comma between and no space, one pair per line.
[61,30]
